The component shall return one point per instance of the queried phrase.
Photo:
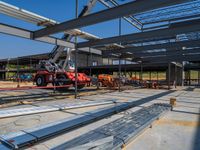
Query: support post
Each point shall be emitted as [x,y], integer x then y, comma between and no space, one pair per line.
[189,77]
[141,71]
[90,62]
[150,75]
[119,74]
[30,65]
[120,30]
[183,74]
[157,76]
[169,72]
[135,75]
[175,73]
[198,78]
[76,50]
[18,72]
[7,68]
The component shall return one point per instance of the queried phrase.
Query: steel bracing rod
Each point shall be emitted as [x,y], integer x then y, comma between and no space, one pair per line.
[19,32]
[175,29]
[125,18]
[105,15]
[130,16]
[139,49]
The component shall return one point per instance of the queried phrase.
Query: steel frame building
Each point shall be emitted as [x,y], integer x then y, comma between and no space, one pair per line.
[168,31]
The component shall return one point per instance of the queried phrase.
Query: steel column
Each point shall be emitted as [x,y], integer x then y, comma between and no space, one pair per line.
[76,53]
[169,74]
[175,78]
[198,77]
[120,30]
[183,74]
[18,76]
[141,71]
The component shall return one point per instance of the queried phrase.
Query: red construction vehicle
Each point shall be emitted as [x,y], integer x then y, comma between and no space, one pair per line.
[62,73]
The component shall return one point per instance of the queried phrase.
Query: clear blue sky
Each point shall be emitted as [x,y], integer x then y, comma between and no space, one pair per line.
[59,10]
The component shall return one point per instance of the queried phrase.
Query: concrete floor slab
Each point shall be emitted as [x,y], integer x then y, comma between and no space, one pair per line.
[177,130]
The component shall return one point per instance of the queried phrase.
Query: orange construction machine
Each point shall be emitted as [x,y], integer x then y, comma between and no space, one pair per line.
[107,80]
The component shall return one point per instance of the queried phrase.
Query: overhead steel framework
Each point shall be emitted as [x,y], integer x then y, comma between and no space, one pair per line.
[170,30]
[173,31]
[39,20]
[106,15]
[149,48]
[19,32]
[130,19]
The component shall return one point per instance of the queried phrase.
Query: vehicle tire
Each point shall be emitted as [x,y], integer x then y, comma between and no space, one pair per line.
[100,84]
[80,86]
[61,83]
[40,81]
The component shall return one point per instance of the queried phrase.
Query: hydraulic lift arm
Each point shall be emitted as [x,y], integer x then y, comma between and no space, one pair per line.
[57,51]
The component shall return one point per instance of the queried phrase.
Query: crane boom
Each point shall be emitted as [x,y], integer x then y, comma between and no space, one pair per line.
[57,51]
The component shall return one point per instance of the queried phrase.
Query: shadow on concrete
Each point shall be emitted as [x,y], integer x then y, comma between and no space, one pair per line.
[196,144]
[182,101]
[190,89]
[46,95]
[187,112]
[31,97]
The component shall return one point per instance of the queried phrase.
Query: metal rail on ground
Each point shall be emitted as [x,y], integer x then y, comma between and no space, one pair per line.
[26,137]
[122,130]
[50,108]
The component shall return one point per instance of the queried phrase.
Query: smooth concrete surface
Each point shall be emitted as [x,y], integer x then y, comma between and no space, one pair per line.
[176,130]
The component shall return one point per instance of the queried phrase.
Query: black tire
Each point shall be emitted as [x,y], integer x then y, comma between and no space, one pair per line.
[80,86]
[40,81]
[100,84]
[62,83]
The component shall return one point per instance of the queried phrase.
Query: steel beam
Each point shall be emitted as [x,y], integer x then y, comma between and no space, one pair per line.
[11,30]
[178,28]
[27,34]
[139,49]
[105,15]
[123,130]
[170,58]
[51,108]
[171,19]
[168,52]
